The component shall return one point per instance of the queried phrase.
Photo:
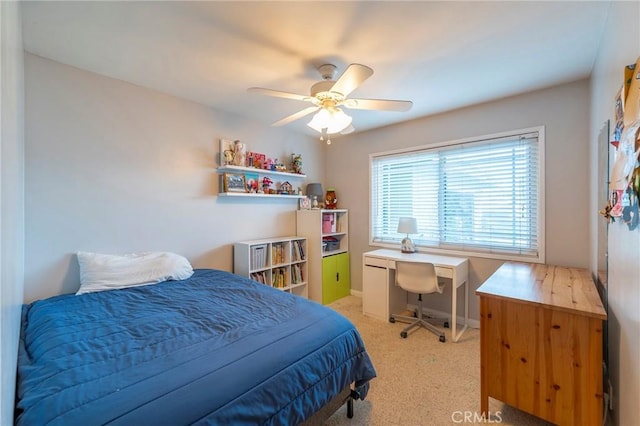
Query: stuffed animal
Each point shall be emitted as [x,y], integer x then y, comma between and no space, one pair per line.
[296,163]
[330,199]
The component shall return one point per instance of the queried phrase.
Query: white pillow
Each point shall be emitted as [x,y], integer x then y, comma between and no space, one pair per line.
[100,272]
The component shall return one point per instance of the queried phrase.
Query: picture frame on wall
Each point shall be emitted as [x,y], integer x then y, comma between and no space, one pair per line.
[256,159]
[234,182]
[305,203]
[252,182]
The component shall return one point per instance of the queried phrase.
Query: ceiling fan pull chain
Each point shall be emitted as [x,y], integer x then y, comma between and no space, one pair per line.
[324,135]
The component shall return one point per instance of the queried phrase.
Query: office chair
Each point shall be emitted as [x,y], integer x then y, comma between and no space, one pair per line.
[419,278]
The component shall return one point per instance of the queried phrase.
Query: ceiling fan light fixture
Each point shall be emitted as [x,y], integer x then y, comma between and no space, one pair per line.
[332,121]
[329,94]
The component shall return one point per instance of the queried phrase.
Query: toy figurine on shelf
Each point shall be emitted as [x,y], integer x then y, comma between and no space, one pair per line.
[268,164]
[228,156]
[296,163]
[286,188]
[330,200]
[266,184]
[239,153]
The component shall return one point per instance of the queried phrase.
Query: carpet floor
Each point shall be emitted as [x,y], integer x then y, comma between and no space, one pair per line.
[421,381]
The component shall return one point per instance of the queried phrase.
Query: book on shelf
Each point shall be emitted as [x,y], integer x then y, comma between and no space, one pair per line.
[277,254]
[298,251]
[279,278]
[296,274]
[258,276]
[329,223]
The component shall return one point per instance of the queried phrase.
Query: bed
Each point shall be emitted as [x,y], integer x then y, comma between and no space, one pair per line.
[215,348]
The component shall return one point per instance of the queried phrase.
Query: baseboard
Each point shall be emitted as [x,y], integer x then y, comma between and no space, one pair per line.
[440,314]
[473,323]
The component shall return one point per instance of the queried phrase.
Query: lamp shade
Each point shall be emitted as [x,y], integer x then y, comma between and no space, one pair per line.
[407,225]
[315,189]
[334,120]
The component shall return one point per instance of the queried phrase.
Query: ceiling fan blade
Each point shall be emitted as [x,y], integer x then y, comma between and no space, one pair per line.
[295,116]
[278,94]
[351,78]
[349,129]
[378,104]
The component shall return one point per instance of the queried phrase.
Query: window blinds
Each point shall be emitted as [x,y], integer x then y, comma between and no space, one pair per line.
[480,196]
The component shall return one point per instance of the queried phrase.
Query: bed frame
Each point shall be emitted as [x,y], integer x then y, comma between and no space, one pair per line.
[347,395]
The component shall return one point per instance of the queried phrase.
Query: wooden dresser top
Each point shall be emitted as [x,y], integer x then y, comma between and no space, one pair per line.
[555,287]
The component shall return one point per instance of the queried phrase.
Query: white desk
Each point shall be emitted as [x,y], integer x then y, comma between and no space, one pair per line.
[381,297]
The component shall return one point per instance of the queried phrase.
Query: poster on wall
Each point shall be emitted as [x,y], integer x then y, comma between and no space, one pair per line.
[632,94]
[624,183]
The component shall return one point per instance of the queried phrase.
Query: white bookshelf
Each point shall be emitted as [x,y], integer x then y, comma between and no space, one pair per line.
[277,262]
[327,234]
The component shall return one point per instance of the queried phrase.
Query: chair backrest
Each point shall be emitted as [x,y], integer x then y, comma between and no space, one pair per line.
[417,277]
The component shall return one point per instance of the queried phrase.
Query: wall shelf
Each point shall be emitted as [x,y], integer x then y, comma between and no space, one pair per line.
[261,172]
[258,195]
[241,169]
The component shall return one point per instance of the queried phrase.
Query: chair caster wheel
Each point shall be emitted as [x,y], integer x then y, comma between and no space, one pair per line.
[442,338]
[403,334]
[392,320]
[446,324]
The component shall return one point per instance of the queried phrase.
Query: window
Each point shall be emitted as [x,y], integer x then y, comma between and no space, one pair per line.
[482,196]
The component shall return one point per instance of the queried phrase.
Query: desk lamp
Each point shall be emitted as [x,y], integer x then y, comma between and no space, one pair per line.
[315,193]
[407,225]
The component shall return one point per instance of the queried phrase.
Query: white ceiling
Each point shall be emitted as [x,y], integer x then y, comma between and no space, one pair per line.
[440,55]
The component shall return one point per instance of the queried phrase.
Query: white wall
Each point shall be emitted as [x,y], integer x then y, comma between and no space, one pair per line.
[620,47]
[11,200]
[112,167]
[563,110]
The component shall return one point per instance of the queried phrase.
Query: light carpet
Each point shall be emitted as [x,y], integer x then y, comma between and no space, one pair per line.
[421,381]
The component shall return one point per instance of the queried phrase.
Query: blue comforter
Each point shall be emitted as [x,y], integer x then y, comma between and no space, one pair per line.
[213,349]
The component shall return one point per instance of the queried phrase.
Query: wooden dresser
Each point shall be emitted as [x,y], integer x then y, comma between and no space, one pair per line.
[541,342]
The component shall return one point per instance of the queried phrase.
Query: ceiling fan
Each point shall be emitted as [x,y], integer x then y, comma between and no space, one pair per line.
[328,95]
